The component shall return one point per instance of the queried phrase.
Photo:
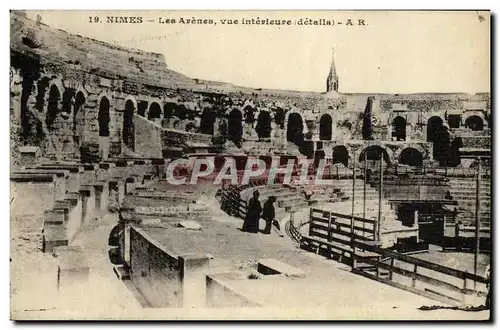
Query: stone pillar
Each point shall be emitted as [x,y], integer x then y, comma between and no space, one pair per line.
[193,270]
[29,156]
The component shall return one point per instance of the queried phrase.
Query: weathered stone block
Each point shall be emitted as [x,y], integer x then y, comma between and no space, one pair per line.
[273,267]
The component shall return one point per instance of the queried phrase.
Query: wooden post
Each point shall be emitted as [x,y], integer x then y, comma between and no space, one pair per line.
[464,289]
[353,195]
[390,271]
[364,193]
[379,260]
[329,226]
[380,192]
[353,254]
[478,222]
[414,278]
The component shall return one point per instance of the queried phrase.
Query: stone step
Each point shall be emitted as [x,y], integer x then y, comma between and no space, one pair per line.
[275,267]
[121,272]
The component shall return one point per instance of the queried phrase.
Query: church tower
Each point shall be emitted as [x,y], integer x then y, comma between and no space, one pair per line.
[332,82]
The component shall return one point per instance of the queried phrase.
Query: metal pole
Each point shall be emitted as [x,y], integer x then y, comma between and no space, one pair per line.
[478,223]
[364,194]
[380,198]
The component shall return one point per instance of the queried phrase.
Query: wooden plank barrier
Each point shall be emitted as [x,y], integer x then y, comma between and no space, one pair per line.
[434,281]
[330,232]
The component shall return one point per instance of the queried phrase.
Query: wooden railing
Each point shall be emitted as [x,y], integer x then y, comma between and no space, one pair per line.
[330,233]
[419,276]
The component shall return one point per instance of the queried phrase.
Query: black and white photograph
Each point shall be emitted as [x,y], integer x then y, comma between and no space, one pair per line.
[250,165]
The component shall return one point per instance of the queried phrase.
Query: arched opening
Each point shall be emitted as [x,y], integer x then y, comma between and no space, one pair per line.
[294,129]
[249,115]
[190,127]
[325,127]
[142,106]
[180,111]
[234,126]
[207,121]
[168,110]
[154,111]
[103,117]
[455,146]
[263,127]
[319,154]
[411,156]
[373,155]
[433,125]
[399,129]
[42,86]
[340,155]
[52,106]
[67,100]
[78,118]
[441,146]
[279,118]
[128,125]
[474,123]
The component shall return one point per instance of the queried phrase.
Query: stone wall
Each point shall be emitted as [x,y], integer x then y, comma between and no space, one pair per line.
[154,271]
[148,138]
[221,295]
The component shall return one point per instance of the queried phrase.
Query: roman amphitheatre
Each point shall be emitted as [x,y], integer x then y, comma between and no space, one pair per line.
[97,227]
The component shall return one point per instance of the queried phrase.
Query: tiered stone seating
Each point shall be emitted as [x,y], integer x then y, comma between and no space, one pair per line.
[69,195]
[463,190]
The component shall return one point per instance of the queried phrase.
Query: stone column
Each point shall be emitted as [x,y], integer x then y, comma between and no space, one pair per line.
[193,270]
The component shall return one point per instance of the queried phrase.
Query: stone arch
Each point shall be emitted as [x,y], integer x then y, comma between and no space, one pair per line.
[103,116]
[53,105]
[411,156]
[340,154]
[79,117]
[154,111]
[325,127]
[399,129]
[474,123]
[176,122]
[415,146]
[169,109]
[142,107]
[234,126]
[128,129]
[375,152]
[294,128]
[42,89]
[207,121]
[279,117]
[263,127]
[190,127]
[180,111]
[434,124]
[455,146]
[249,112]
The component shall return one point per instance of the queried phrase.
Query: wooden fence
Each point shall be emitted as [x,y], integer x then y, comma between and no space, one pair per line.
[330,234]
[419,276]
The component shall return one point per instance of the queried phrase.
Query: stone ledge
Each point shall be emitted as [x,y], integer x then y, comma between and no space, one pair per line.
[273,267]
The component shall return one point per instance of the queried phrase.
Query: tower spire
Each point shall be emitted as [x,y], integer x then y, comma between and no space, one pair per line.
[332,82]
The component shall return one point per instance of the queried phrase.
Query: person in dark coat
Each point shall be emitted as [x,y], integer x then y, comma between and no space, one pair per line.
[251,223]
[268,214]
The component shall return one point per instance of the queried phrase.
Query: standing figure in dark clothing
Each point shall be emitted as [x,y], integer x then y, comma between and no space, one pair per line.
[268,214]
[251,223]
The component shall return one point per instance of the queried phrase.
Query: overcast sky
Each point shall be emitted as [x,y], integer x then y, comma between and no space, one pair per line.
[397,52]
